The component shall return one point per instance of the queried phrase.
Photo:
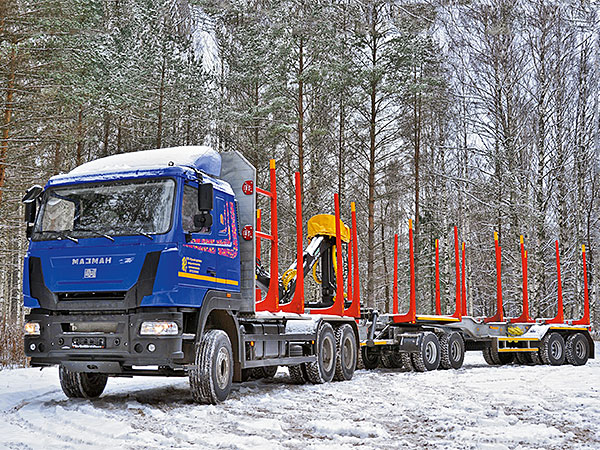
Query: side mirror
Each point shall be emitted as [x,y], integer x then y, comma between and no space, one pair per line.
[30,199]
[202,220]
[205,197]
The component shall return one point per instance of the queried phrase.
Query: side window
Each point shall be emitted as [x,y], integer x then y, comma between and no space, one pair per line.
[189,208]
[223,219]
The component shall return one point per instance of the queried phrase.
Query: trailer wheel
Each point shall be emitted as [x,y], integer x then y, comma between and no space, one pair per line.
[552,350]
[428,358]
[524,358]
[452,351]
[211,377]
[391,359]
[81,384]
[577,349]
[487,355]
[371,359]
[268,372]
[345,361]
[323,369]
[297,374]
[496,358]
[536,360]
[407,361]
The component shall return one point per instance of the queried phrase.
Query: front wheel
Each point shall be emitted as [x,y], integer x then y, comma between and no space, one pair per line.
[81,384]
[212,374]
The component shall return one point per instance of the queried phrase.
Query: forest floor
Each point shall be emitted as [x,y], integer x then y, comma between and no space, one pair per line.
[478,406]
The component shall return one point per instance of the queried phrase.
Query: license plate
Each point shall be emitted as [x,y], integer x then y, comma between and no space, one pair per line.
[88,342]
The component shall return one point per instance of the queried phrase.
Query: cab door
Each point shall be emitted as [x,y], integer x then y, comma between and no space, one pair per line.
[199,254]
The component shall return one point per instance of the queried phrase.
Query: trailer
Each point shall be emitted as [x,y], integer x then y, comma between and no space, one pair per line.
[430,342]
[151,263]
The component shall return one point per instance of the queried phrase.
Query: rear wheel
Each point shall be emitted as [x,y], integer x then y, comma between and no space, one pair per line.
[81,384]
[391,359]
[552,350]
[370,357]
[211,377]
[297,374]
[268,372]
[345,361]
[428,358]
[407,363]
[323,369]
[452,351]
[524,358]
[577,349]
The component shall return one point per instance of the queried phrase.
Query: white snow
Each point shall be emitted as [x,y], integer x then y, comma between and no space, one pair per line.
[476,407]
[203,158]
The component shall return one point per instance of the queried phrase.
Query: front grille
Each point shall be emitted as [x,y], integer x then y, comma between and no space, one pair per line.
[89,296]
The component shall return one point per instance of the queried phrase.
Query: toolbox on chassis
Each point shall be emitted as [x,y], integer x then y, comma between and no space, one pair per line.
[145,264]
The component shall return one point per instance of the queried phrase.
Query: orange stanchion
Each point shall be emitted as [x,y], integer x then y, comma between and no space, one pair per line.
[354,309]
[395,309]
[337,308]
[271,301]
[463,289]
[585,320]
[560,316]
[499,316]
[458,312]
[349,254]
[258,228]
[438,305]
[411,315]
[524,317]
[297,303]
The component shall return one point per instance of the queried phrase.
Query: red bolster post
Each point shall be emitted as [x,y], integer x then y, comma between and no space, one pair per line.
[560,315]
[499,316]
[585,320]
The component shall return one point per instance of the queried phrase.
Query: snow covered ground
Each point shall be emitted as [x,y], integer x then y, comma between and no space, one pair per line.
[481,407]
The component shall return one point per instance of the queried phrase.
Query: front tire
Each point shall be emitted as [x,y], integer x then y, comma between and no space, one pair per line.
[212,375]
[81,384]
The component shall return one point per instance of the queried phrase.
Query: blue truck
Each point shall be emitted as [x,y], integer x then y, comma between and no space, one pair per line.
[137,266]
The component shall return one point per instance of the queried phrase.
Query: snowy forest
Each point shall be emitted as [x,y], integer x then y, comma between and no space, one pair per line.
[479,114]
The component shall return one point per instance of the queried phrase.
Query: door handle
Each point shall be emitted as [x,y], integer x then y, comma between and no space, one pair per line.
[211,272]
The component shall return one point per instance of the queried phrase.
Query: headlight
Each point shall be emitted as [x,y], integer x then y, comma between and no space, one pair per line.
[159,329]
[32,329]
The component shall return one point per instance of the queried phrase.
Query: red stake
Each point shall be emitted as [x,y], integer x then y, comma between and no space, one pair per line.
[395,309]
[499,316]
[438,306]
[411,316]
[258,292]
[585,320]
[271,301]
[354,309]
[458,312]
[560,316]
[464,283]
[297,303]
[524,317]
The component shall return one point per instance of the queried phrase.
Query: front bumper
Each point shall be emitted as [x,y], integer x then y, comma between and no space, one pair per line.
[123,347]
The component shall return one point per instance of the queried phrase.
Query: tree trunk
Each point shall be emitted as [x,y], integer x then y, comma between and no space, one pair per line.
[161,97]
[10,89]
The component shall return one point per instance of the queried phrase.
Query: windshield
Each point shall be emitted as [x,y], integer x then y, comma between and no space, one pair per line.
[90,210]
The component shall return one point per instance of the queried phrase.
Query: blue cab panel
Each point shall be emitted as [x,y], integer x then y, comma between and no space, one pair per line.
[189,265]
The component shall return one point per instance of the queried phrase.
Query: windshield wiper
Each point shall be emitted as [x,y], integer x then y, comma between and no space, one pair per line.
[62,234]
[96,233]
[149,236]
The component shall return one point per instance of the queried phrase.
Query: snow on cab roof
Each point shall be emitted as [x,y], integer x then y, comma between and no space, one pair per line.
[202,158]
